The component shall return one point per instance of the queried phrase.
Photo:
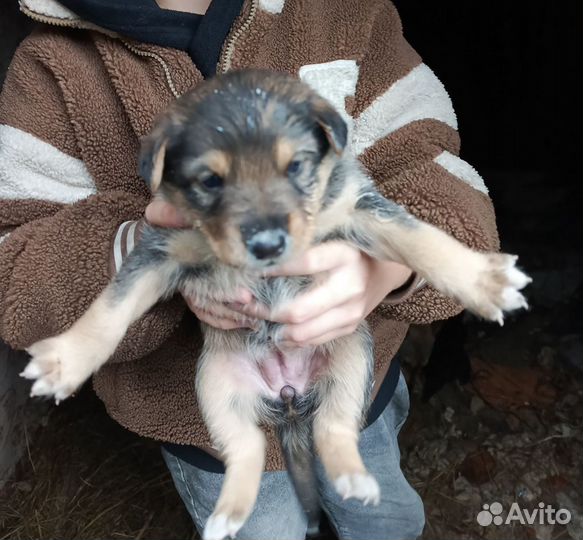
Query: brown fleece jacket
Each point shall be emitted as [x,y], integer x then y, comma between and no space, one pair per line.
[90,97]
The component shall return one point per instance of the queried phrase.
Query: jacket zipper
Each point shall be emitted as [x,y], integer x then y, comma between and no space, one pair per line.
[228,51]
[66,23]
[160,60]
[49,20]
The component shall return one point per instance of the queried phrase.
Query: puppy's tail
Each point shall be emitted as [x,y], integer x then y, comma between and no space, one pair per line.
[295,434]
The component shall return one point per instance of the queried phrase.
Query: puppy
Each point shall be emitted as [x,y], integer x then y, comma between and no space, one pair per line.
[257,162]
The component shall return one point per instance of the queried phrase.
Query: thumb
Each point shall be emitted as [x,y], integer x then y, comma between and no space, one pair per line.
[163,214]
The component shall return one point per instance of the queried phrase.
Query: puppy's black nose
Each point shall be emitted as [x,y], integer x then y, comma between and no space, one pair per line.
[267,244]
[265,238]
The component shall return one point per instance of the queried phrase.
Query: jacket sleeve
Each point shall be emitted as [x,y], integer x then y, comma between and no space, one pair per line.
[56,226]
[405,133]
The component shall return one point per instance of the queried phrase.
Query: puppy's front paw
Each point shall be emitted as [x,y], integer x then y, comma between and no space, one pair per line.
[358,486]
[220,526]
[59,366]
[498,287]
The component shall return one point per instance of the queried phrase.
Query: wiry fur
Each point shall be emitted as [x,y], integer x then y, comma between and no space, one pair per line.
[293,421]
[241,134]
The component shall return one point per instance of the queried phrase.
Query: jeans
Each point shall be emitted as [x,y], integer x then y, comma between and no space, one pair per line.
[278,515]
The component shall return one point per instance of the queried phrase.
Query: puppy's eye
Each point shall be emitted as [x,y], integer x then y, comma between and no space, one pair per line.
[295,167]
[212,181]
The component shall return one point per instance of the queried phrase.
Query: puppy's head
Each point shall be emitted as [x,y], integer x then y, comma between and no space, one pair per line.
[247,156]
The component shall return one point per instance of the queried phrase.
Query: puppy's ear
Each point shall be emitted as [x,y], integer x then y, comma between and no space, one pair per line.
[151,161]
[153,149]
[152,164]
[332,124]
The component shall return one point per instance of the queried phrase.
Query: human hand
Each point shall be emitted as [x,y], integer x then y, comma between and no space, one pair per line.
[220,313]
[225,313]
[349,285]
[163,214]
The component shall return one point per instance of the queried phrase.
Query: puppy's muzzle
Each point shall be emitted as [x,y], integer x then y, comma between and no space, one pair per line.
[266,238]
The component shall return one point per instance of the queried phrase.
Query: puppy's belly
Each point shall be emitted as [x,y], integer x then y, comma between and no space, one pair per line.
[275,370]
[297,368]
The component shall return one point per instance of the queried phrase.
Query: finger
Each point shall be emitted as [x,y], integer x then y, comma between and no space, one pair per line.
[240,296]
[217,310]
[317,259]
[221,323]
[333,292]
[164,214]
[347,315]
[252,309]
[320,340]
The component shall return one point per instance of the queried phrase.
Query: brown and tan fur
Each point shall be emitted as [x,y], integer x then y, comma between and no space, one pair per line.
[227,155]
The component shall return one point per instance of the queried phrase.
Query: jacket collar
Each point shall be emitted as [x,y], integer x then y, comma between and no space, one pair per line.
[48,8]
[53,12]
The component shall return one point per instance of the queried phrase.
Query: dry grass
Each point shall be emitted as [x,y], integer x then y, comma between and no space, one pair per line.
[85,477]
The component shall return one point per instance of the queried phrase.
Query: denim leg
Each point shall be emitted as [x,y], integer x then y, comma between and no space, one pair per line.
[277,515]
[400,514]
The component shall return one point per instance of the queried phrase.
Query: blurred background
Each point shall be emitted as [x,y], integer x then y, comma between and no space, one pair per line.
[496,413]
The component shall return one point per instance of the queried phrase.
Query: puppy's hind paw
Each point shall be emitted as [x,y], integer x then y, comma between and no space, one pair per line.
[358,486]
[220,526]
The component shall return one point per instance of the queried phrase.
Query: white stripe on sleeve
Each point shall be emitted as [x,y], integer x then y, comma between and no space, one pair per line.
[117,254]
[419,95]
[33,169]
[131,238]
[462,170]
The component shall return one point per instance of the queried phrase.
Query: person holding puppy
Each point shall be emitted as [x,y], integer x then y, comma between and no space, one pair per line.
[79,95]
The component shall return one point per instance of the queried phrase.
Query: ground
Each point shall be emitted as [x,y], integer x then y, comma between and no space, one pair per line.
[512,434]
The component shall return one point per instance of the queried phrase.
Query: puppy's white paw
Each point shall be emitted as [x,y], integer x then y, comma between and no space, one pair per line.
[60,365]
[358,486]
[220,526]
[497,287]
